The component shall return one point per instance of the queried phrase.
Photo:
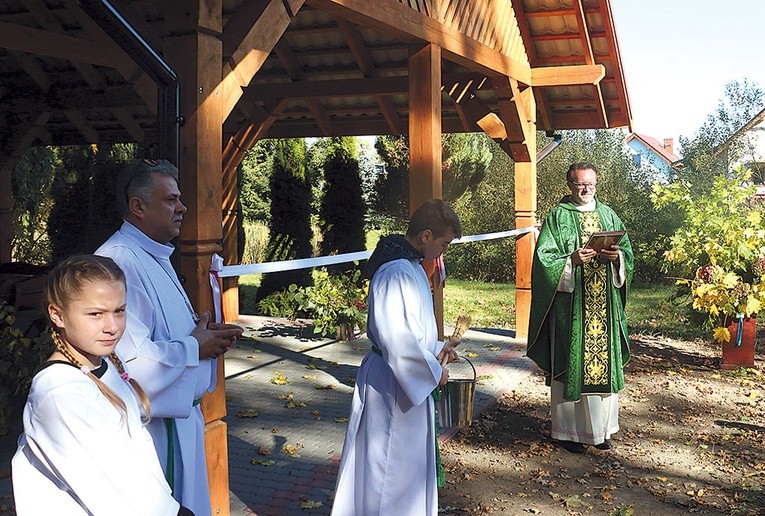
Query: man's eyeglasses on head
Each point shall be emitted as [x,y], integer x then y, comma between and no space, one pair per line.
[582,186]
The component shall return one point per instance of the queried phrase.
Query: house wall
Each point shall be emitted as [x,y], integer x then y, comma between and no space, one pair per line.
[649,160]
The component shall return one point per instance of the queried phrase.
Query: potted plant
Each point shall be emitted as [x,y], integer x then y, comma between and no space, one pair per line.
[720,250]
[337,303]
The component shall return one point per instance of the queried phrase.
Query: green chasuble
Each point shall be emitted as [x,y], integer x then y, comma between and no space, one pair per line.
[589,325]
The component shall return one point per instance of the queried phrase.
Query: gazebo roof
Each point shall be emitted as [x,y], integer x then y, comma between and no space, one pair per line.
[339,69]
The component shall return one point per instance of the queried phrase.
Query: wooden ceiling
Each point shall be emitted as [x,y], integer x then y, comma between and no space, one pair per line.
[341,67]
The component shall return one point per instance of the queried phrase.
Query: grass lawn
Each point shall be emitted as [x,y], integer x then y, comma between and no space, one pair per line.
[492,305]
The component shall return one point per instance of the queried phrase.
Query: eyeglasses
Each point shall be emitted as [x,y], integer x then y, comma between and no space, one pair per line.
[582,186]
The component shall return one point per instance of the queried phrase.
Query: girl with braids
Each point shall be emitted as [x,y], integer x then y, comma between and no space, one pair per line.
[84,449]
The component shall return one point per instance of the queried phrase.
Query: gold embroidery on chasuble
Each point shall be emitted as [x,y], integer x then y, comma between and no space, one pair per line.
[595,329]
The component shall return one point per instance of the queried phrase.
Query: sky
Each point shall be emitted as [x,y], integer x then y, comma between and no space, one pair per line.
[678,55]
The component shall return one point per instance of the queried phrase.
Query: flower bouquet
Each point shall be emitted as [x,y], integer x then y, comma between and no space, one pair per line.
[724,295]
[721,245]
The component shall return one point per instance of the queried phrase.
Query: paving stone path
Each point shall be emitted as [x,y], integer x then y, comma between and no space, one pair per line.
[288,395]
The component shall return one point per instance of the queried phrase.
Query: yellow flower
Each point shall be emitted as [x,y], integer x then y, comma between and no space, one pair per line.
[722,334]
[730,279]
[753,306]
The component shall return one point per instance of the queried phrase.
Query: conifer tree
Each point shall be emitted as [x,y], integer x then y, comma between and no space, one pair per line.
[342,208]
[290,216]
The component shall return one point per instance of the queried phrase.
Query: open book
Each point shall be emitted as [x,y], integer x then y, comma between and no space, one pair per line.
[600,240]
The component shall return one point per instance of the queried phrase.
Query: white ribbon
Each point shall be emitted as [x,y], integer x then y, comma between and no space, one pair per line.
[215,268]
[229,271]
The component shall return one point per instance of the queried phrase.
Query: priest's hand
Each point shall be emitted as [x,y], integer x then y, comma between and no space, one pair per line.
[448,352]
[582,255]
[444,376]
[214,339]
[611,254]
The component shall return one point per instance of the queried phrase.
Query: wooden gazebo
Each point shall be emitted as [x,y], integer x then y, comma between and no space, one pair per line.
[91,71]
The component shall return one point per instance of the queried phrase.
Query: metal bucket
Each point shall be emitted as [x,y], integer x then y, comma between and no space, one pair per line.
[456,405]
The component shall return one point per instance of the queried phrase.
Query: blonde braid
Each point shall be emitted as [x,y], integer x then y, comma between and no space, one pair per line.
[115,400]
[142,397]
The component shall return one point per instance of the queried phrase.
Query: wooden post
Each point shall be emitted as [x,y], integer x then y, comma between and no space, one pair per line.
[425,141]
[195,50]
[525,215]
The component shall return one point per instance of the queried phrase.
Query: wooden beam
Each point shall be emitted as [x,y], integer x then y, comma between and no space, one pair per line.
[357,87]
[329,88]
[567,75]
[47,21]
[366,64]
[239,25]
[249,56]
[350,127]
[83,126]
[41,42]
[130,124]
[60,100]
[424,124]
[625,112]
[589,54]
[117,58]
[411,26]
[292,65]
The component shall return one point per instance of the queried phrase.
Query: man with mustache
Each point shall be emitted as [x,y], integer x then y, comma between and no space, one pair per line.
[166,347]
[578,329]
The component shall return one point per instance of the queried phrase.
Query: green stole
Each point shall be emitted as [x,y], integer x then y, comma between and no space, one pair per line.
[589,324]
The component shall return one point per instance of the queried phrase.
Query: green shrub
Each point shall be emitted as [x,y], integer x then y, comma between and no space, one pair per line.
[20,356]
[281,303]
[332,302]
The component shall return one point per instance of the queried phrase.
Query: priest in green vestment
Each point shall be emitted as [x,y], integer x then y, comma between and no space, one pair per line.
[577,329]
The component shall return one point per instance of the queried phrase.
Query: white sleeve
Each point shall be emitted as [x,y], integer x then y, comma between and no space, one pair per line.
[567,280]
[86,445]
[619,272]
[398,304]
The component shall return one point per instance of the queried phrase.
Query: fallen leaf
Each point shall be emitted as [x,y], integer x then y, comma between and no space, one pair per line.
[341,420]
[263,462]
[310,504]
[279,379]
[292,449]
[244,413]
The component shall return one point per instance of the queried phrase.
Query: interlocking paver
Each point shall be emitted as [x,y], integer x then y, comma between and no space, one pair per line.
[314,419]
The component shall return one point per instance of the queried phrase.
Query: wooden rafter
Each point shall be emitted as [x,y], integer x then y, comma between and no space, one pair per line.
[291,64]
[412,26]
[130,124]
[118,59]
[254,47]
[89,134]
[42,42]
[568,75]
[528,43]
[589,54]
[364,59]
[624,117]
